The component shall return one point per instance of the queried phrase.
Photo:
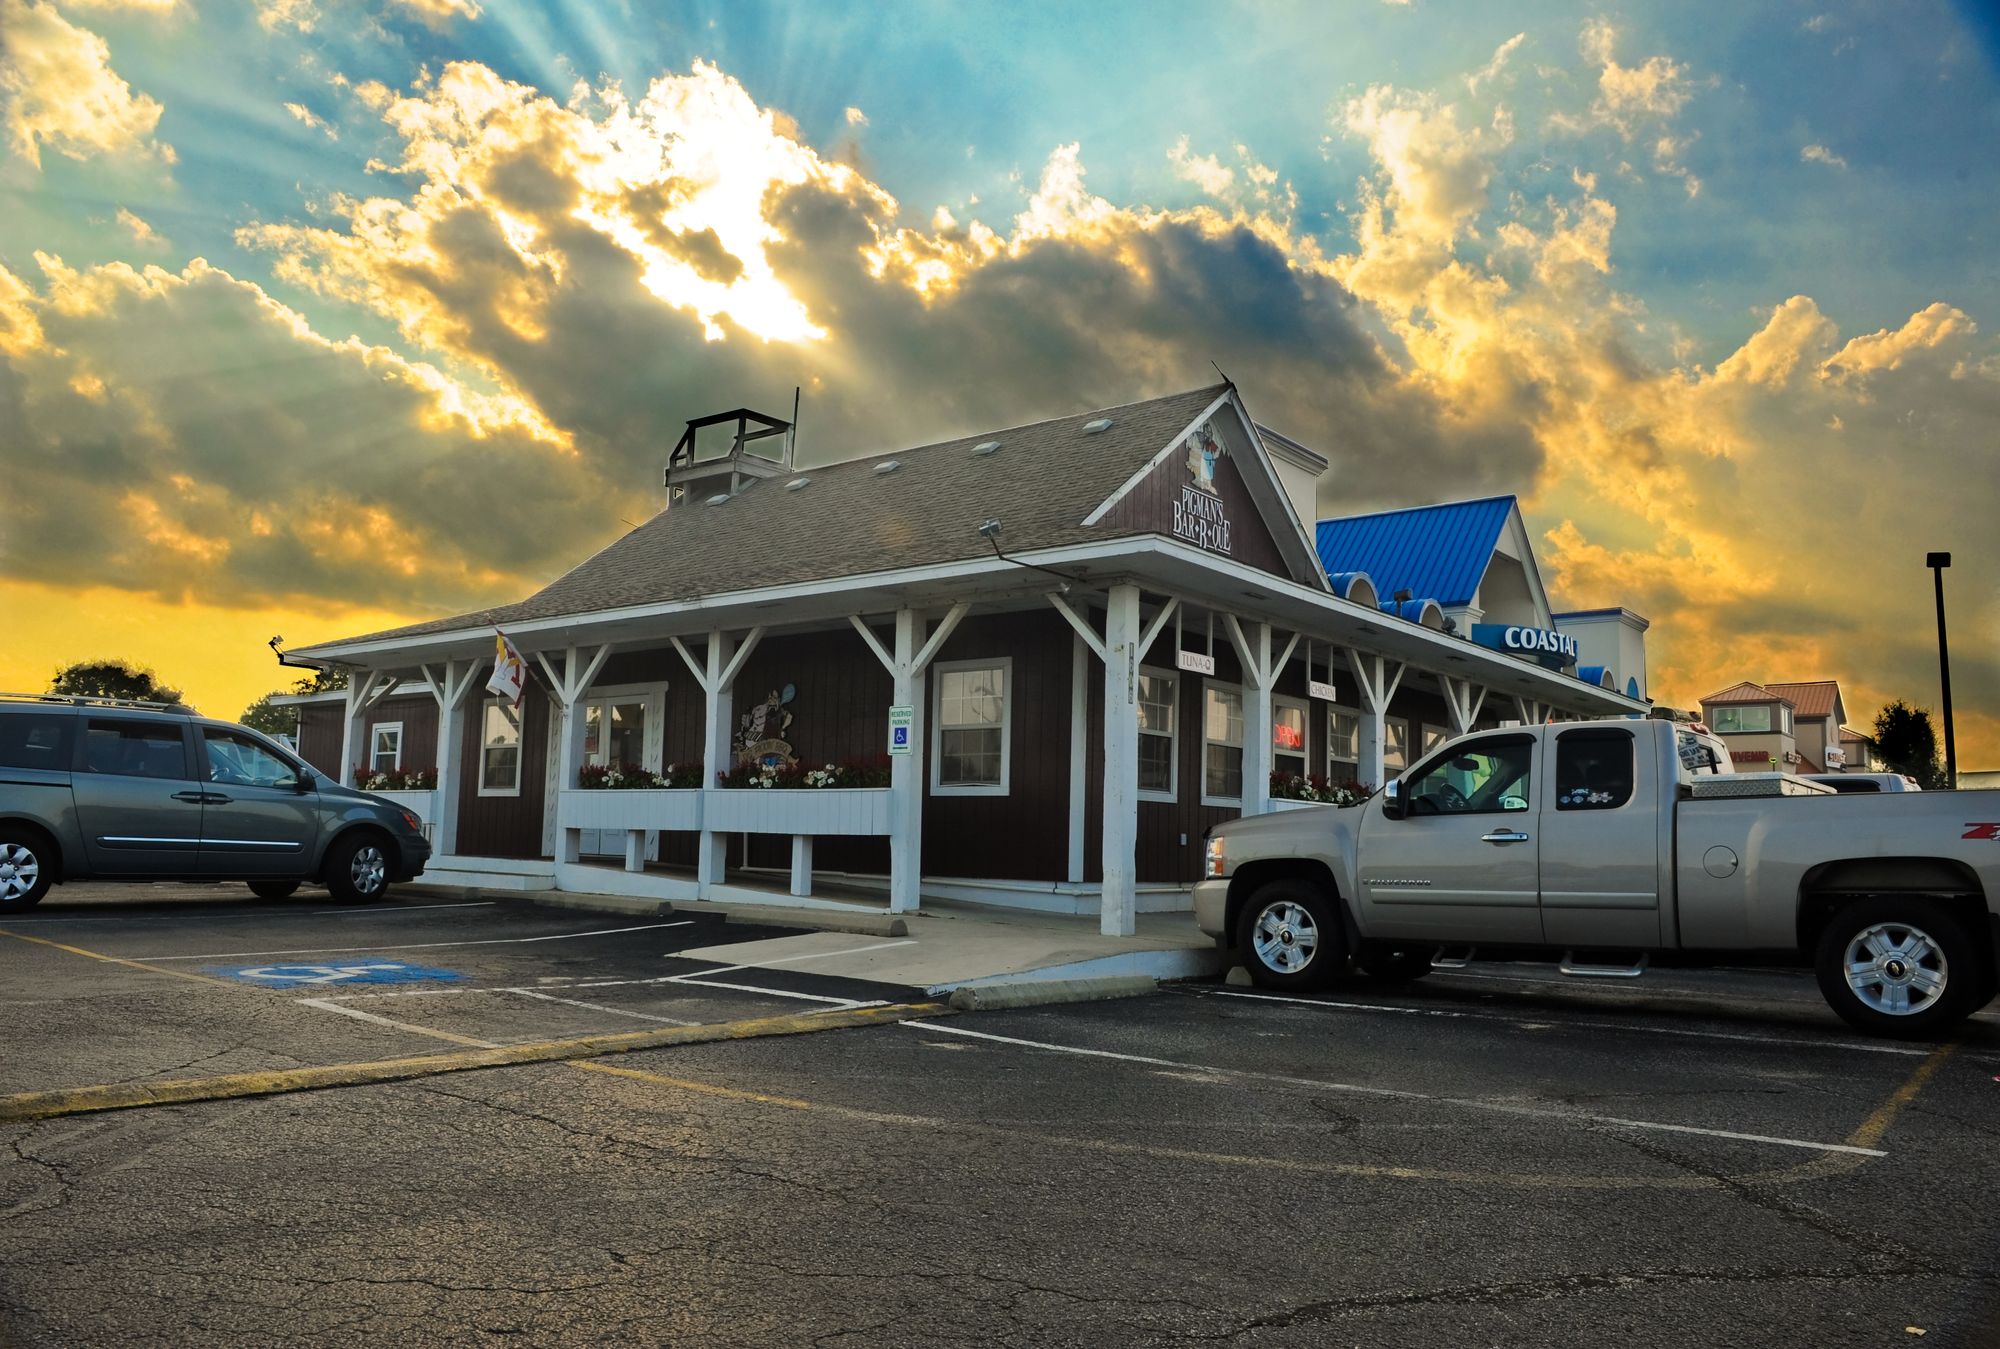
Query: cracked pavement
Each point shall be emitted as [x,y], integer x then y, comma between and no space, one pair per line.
[1199,1167]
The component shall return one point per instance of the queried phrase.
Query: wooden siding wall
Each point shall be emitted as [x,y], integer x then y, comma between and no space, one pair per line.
[1149,506]
[505,826]
[419,716]
[319,736]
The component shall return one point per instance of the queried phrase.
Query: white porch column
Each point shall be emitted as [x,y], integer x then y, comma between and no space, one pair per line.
[802,864]
[570,689]
[1377,684]
[912,655]
[365,688]
[713,855]
[1260,678]
[1119,915]
[1533,711]
[1463,700]
[906,771]
[1079,752]
[451,687]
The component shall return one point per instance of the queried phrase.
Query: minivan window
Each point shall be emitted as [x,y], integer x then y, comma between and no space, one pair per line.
[237,759]
[134,749]
[35,740]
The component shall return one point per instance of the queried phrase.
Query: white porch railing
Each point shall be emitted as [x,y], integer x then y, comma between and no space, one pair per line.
[801,810]
[635,808]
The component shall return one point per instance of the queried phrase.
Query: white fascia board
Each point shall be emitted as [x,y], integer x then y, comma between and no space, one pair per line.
[300,699]
[1104,506]
[1279,502]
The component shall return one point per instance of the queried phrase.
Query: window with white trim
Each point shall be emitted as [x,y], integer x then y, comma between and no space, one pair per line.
[1159,725]
[969,753]
[1729,720]
[1395,745]
[1343,743]
[500,749]
[1221,745]
[1433,737]
[385,747]
[1289,739]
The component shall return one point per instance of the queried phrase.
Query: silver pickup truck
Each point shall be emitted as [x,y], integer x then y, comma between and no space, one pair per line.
[1585,843]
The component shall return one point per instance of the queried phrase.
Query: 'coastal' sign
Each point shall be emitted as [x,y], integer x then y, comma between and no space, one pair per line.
[1557,650]
[1198,514]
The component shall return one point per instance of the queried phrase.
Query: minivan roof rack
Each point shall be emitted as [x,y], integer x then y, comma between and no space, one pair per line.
[85,700]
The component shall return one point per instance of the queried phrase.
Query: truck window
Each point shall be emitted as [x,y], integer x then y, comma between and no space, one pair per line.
[35,740]
[1482,778]
[1594,769]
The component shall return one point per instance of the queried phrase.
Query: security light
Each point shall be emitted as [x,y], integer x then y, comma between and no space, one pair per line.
[990,529]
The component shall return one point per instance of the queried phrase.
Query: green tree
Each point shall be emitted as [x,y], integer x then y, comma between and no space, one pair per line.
[272,719]
[113,679]
[1908,743]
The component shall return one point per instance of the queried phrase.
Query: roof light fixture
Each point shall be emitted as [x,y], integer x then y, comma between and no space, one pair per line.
[1091,428]
[887,466]
[985,447]
[796,483]
[718,499]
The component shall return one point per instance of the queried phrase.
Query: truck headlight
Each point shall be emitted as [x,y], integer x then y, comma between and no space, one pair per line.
[1211,853]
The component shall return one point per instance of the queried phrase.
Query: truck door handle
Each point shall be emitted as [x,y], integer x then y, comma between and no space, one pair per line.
[1504,836]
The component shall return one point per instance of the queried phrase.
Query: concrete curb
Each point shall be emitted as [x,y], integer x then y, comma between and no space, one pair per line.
[623,905]
[39,1105]
[818,920]
[1048,992]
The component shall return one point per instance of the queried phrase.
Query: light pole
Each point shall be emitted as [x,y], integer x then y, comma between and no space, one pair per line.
[1937,562]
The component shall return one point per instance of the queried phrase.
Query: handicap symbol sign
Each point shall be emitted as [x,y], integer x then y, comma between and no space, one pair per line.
[344,972]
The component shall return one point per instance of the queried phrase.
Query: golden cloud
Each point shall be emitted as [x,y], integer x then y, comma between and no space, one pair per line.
[57,88]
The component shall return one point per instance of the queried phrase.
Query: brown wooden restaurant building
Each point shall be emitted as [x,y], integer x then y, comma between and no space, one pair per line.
[1040,661]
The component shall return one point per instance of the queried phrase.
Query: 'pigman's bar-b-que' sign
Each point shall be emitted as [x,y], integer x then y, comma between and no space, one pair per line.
[1198,514]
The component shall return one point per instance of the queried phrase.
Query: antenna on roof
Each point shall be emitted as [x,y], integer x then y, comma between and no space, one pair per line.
[792,436]
[1218,370]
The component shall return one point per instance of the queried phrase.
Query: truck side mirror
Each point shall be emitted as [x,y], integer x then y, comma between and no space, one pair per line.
[1392,799]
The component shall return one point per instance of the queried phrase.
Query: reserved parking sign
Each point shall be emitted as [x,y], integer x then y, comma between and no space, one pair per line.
[901,720]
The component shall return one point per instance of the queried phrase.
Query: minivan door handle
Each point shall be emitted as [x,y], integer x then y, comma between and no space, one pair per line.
[1504,836]
[194,798]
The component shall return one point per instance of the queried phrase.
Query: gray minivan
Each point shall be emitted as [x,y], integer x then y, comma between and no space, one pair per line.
[107,790]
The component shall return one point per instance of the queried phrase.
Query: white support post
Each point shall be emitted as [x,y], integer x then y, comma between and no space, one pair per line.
[712,859]
[1122,638]
[906,772]
[1377,686]
[1258,710]
[1463,700]
[365,688]
[569,748]
[802,864]
[635,850]
[1532,710]
[1079,752]
[451,687]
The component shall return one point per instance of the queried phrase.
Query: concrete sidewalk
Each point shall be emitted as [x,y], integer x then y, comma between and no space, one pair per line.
[946,946]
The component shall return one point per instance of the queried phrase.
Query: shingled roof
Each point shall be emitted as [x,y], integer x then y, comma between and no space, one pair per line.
[849,520]
[1745,692]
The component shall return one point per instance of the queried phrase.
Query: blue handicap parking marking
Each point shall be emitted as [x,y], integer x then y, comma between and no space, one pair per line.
[337,972]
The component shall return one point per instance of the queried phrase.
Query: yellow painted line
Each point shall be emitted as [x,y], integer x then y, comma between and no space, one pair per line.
[119,960]
[1877,1124]
[39,1105]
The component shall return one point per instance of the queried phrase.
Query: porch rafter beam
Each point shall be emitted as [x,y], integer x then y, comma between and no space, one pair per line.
[1285,657]
[697,668]
[542,659]
[951,620]
[735,666]
[874,643]
[1083,629]
[590,671]
[1158,625]
[468,680]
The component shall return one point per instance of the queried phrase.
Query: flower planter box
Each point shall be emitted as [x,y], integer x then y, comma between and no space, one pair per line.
[629,808]
[421,804]
[805,810]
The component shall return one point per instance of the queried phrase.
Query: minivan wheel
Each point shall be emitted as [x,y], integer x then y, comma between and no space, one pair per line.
[26,872]
[273,889]
[1290,937]
[357,869]
[1900,966]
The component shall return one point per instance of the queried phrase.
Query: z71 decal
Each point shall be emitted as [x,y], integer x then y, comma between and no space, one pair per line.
[1983,831]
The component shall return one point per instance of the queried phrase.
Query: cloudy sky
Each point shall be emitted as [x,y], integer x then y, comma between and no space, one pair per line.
[322,315]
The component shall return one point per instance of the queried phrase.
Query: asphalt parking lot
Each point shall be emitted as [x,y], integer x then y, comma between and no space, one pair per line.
[1485,1157]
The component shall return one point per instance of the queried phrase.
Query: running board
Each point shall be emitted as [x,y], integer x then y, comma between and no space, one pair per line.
[1570,967]
[1444,961]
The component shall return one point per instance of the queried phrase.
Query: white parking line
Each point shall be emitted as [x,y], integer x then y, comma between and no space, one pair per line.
[691,982]
[1566,1022]
[327,1005]
[420,946]
[597,1006]
[408,908]
[790,960]
[1349,1088]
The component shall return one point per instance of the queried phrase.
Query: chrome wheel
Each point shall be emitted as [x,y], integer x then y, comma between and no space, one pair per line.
[369,870]
[1285,936]
[1896,969]
[20,869]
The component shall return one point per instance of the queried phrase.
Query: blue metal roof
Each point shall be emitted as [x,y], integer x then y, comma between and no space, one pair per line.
[1434,552]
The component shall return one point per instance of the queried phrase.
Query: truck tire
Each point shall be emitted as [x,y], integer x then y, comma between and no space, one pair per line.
[27,869]
[357,867]
[1900,966]
[273,889]
[1390,964]
[1291,937]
